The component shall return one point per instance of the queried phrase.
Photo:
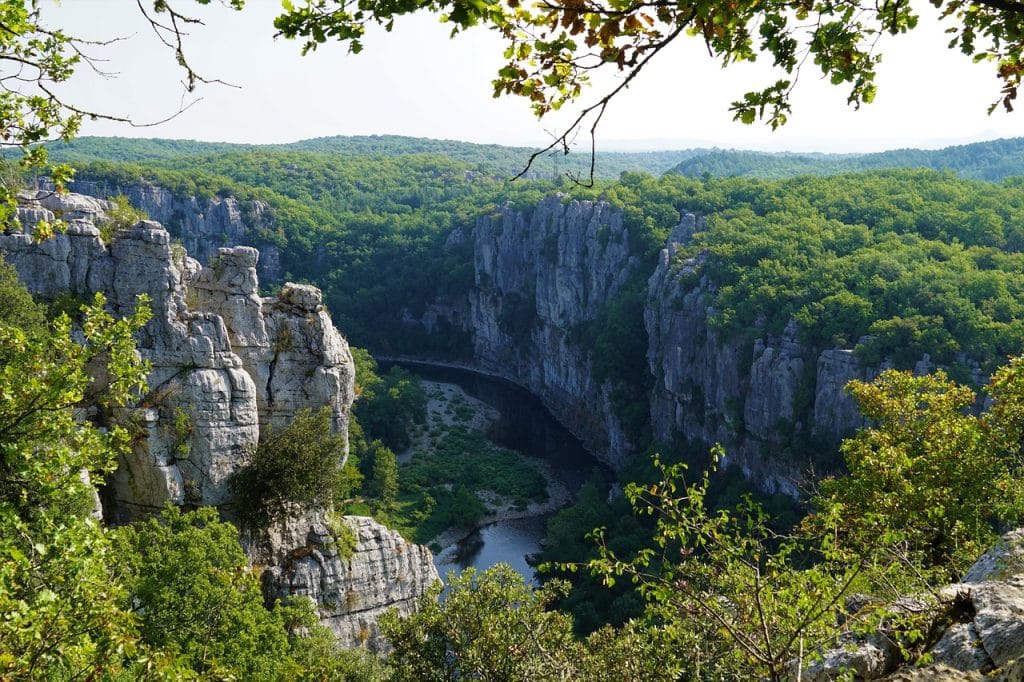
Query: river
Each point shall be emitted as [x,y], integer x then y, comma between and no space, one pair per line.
[524,425]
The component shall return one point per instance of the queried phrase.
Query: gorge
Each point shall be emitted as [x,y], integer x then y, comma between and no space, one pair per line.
[646,315]
[543,274]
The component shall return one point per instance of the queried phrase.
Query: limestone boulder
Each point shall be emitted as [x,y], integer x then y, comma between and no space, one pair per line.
[383,572]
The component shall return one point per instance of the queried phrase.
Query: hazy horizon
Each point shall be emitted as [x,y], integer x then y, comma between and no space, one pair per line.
[607,146]
[419,82]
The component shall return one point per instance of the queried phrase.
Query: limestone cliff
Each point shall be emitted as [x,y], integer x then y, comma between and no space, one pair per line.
[756,396]
[774,402]
[225,363]
[384,572]
[202,225]
[538,276]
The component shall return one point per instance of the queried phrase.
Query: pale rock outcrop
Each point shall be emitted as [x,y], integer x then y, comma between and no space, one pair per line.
[224,364]
[202,225]
[72,262]
[384,571]
[538,277]
[287,344]
[980,631]
[835,411]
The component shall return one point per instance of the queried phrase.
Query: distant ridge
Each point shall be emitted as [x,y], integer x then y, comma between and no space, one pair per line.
[994,160]
[486,157]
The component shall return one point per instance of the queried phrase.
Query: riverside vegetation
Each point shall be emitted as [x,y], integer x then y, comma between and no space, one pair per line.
[441,486]
[915,261]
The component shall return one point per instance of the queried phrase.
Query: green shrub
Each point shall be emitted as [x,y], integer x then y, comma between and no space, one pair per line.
[19,309]
[120,216]
[298,464]
[194,594]
[345,539]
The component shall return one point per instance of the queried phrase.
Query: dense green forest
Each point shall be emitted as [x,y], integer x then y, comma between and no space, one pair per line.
[993,160]
[501,161]
[920,261]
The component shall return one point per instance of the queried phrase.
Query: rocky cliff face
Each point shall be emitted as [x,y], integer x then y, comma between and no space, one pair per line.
[539,276]
[202,225]
[772,401]
[225,363]
[385,571]
[753,396]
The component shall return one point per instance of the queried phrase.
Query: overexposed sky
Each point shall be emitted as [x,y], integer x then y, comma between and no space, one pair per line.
[417,81]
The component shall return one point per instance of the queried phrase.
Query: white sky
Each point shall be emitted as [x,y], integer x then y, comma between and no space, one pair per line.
[416,81]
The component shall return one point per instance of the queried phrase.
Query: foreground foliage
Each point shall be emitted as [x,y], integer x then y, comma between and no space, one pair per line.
[740,599]
[493,626]
[930,476]
[191,587]
[62,606]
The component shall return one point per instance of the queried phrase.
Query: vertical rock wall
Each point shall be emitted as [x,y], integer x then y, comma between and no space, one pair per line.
[756,396]
[539,276]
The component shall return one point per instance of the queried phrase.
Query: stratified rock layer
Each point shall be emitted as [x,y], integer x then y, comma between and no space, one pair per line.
[384,571]
[224,363]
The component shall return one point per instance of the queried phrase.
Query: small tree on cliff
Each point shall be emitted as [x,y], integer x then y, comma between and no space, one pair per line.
[384,484]
[297,464]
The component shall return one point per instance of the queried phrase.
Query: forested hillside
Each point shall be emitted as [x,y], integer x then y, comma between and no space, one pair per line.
[993,160]
[923,261]
[498,160]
